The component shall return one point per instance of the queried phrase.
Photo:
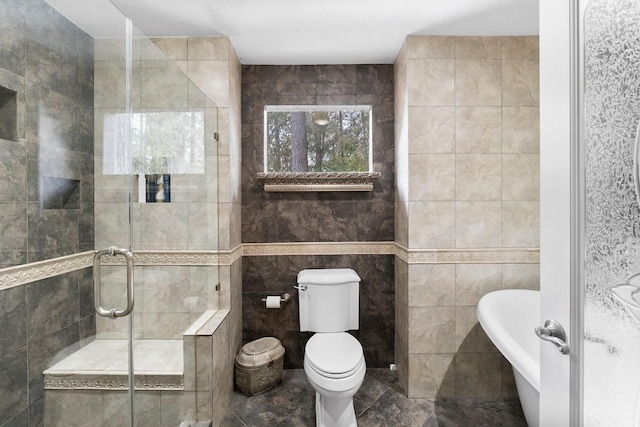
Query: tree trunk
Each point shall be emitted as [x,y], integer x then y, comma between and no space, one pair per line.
[299,143]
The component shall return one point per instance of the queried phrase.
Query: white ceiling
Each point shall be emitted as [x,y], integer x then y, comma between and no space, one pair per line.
[309,32]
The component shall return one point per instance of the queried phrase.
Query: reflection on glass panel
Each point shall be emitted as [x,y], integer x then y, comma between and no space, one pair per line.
[317,138]
[162,143]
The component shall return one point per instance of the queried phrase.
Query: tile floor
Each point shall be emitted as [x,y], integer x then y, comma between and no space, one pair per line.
[377,403]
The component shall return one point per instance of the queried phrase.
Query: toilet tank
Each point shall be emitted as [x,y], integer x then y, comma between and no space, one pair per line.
[328,300]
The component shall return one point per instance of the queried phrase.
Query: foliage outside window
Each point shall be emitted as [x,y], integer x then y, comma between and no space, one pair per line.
[317,139]
[162,142]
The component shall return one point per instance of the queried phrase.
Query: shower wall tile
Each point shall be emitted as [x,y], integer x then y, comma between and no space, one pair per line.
[109,83]
[53,304]
[212,77]
[208,49]
[51,117]
[43,351]
[174,48]
[51,232]
[48,62]
[13,227]
[13,312]
[13,171]
[13,393]
[13,43]
[163,85]
[203,226]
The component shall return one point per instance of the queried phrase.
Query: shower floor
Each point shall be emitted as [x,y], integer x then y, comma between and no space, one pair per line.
[103,364]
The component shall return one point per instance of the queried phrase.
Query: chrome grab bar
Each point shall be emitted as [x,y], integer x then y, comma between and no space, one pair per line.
[113,313]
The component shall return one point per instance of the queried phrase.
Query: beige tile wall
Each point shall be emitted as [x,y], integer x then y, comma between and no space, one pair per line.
[467,127]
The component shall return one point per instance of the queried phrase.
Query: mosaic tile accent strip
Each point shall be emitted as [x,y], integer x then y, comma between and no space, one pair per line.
[411,256]
[28,273]
[32,272]
[473,256]
[318,181]
[112,382]
[323,248]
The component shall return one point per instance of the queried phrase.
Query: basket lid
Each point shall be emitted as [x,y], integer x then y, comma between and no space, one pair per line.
[260,352]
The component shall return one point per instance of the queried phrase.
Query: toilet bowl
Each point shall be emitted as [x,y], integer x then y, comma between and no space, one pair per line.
[335,367]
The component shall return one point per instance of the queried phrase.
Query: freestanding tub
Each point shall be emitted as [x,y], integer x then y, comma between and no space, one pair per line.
[509,317]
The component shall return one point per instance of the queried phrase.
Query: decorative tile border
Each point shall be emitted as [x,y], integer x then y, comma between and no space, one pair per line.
[318,248]
[112,382]
[318,181]
[471,256]
[27,273]
[410,256]
[204,258]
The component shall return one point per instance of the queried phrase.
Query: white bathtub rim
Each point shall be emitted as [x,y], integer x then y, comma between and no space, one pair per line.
[526,363]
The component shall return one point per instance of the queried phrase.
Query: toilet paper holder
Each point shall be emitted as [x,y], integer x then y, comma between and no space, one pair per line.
[283,298]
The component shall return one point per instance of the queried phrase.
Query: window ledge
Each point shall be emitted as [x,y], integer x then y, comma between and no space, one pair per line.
[318,181]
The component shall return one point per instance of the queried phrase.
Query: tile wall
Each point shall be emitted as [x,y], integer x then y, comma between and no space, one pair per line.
[467,156]
[46,196]
[317,217]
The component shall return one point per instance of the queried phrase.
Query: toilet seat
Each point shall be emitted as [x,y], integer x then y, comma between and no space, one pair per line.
[334,355]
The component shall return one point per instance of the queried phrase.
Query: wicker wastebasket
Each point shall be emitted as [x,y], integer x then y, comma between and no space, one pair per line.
[259,365]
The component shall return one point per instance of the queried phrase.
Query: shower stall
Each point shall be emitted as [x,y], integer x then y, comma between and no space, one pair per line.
[114,293]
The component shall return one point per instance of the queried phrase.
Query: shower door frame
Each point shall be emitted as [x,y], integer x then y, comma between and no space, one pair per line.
[561,211]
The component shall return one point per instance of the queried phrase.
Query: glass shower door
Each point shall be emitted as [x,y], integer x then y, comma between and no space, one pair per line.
[611,305]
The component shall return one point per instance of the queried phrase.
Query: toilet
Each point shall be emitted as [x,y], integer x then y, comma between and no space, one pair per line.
[333,359]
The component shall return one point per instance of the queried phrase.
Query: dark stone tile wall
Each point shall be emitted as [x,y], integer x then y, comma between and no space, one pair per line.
[318,217]
[39,324]
[274,275]
[48,62]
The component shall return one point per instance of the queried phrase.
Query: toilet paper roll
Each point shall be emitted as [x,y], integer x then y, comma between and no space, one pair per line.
[273,301]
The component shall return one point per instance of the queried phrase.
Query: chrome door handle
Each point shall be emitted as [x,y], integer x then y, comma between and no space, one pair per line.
[113,313]
[554,333]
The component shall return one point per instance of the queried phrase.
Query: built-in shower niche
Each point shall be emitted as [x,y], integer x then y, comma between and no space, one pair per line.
[60,193]
[8,114]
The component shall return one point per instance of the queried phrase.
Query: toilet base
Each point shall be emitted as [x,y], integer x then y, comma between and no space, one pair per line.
[335,412]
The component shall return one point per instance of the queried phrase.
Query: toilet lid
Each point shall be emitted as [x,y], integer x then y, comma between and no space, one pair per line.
[334,355]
